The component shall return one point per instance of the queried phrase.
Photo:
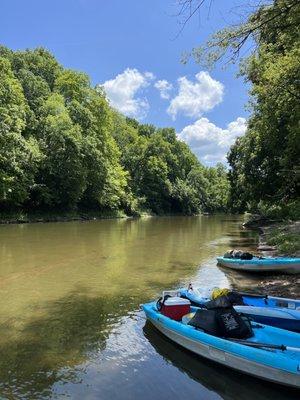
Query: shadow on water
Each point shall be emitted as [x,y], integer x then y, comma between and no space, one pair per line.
[49,348]
[227,383]
[242,243]
[243,239]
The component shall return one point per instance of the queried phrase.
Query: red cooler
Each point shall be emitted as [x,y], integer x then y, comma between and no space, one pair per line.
[175,308]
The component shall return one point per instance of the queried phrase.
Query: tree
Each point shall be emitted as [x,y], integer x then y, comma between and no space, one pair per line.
[230,40]
[74,86]
[106,179]
[265,162]
[18,157]
[64,148]
[61,178]
[38,61]
[155,185]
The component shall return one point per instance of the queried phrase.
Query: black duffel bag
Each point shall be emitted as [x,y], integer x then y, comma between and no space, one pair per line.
[222,322]
[207,321]
[232,324]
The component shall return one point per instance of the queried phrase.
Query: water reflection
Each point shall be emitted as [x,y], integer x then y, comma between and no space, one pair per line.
[49,346]
[69,299]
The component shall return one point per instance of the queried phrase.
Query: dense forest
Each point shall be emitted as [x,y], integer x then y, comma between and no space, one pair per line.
[265,163]
[264,167]
[63,148]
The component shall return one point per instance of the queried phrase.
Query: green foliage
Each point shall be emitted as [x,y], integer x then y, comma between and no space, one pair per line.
[62,148]
[286,239]
[74,86]
[290,210]
[18,156]
[265,162]
[38,61]
[62,174]
[217,192]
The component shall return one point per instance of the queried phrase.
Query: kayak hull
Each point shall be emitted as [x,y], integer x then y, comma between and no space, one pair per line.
[223,351]
[287,265]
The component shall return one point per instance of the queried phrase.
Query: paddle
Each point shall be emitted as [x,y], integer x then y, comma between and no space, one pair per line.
[261,345]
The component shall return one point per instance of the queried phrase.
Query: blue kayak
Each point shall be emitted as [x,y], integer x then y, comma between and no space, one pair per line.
[275,311]
[256,264]
[267,360]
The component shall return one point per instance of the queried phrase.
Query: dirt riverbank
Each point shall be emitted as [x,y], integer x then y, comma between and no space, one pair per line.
[277,239]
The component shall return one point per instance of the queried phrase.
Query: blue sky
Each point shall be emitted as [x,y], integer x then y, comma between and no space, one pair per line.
[132,47]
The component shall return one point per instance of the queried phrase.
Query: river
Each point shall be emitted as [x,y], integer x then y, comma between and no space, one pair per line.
[70,319]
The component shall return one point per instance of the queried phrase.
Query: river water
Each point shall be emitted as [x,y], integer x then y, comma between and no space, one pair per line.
[70,319]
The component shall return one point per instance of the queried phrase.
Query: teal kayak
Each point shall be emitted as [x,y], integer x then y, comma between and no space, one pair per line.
[271,353]
[256,264]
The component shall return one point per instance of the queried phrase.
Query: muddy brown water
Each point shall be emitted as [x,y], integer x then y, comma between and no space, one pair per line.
[70,319]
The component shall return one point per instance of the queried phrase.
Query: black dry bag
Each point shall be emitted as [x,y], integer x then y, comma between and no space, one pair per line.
[232,325]
[206,320]
[222,322]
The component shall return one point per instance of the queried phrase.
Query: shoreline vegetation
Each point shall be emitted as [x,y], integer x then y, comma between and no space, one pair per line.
[28,218]
[283,237]
[64,148]
[277,237]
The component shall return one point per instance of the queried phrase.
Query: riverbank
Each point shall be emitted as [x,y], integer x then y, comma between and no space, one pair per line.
[25,218]
[283,237]
[276,237]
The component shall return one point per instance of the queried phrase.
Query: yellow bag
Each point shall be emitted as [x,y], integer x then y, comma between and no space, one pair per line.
[218,292]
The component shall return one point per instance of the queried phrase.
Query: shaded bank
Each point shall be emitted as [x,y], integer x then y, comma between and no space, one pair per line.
[284,236]
[277,237]
[25,218]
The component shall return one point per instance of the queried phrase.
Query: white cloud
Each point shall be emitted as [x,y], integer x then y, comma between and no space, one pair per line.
[195,98]
[164,88]
[209,142]
[122,90]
